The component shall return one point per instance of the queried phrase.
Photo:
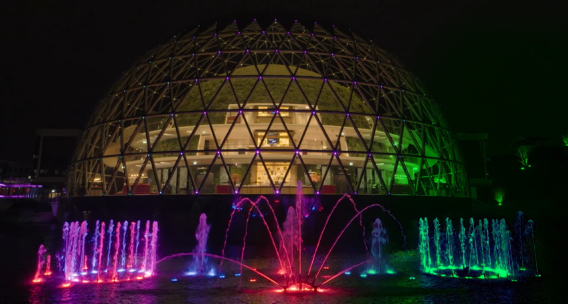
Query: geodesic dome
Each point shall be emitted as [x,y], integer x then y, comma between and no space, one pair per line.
[255,110]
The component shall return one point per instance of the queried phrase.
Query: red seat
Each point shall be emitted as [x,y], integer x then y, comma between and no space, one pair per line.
[328,189]
[223,189]
[140,189]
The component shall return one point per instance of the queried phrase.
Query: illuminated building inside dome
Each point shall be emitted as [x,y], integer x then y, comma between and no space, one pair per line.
[254,110]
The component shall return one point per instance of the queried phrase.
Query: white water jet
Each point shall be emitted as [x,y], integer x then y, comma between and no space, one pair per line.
[379,238]
[198,265]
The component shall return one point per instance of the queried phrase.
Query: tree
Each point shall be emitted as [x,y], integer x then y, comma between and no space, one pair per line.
[523,152]
[499,194]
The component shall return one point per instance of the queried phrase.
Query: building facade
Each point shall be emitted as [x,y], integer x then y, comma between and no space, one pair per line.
[255,110]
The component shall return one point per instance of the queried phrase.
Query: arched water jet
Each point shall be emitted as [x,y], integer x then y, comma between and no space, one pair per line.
[360,223]
[255,205]
[345,228]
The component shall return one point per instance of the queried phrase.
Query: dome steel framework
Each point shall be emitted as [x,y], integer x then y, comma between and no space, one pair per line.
[253,111]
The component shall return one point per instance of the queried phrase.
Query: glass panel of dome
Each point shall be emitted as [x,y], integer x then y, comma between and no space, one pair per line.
[353,167]
[225,98]
[157,123]
[242,87]
[184,178]
[370,182]
[360,103]
[352,145]
[93,179]
[379,165]
[327,100]
[239,167]
[134,133]
[314,173]
[412,140]
[261,174]
[277,165]
[216,180]
[433,142]
[336,182]
[310,90]
[167,146]
[403,182]
[137,175]
[364,124]
[187,96]
[307,175]
[332,126]
[197,170]
[276,137]
[117,182]
[109,165]
[313,138]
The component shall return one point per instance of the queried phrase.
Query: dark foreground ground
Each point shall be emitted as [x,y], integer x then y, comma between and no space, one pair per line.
[353,289]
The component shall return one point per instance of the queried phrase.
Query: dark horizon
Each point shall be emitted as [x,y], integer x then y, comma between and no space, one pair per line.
[486,64]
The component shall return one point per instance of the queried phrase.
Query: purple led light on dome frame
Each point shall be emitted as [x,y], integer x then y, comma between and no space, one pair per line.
[257,152]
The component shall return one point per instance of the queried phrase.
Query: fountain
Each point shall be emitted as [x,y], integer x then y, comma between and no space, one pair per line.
[482,253]
[74,257]
[487,249]
[378,240]
[287,244]
[199,264]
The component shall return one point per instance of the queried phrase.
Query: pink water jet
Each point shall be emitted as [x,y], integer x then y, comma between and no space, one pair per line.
[38,274]
[75,255]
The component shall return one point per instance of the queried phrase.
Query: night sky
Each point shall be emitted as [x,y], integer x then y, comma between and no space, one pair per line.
[495,66]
